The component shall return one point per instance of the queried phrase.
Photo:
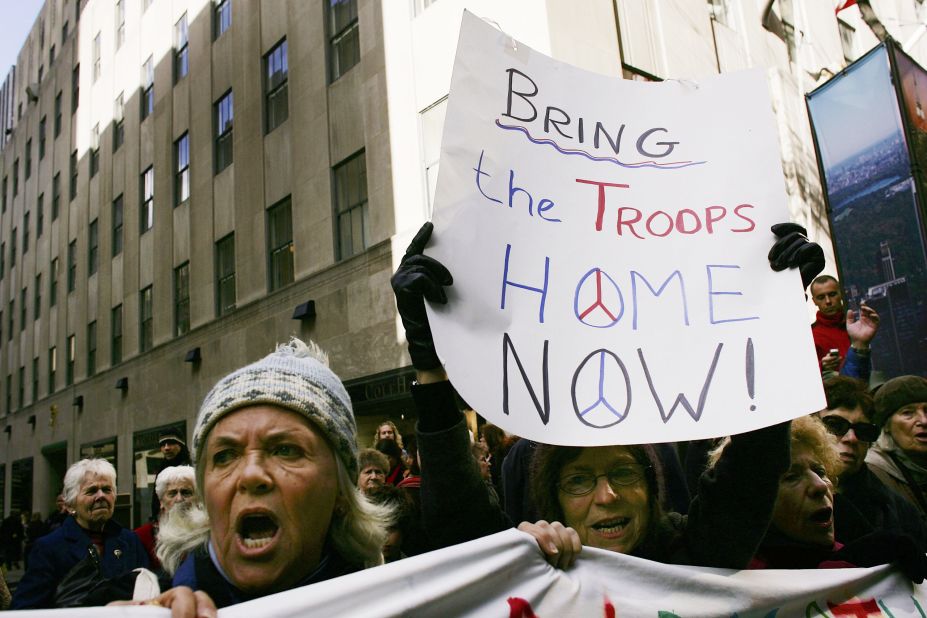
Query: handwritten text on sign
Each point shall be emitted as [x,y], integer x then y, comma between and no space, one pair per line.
[608,243]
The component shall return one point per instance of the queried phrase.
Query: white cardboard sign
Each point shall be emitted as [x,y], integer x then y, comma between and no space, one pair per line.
[608,243]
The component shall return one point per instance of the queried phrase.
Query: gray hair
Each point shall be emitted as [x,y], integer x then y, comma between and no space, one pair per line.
[174,474]
[180,531]
[76,474]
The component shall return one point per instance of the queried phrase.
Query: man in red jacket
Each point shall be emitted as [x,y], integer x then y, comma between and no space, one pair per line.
[835,328]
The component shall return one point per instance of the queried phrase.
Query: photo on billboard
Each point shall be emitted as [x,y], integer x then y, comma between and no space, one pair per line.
[873,207]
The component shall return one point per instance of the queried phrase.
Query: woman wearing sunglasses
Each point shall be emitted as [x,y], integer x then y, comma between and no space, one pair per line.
[864,503]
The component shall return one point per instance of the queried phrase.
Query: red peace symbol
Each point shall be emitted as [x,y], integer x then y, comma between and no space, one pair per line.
[599,308]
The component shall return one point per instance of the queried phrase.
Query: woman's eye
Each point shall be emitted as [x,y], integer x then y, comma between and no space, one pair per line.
[223,457]
[286,450]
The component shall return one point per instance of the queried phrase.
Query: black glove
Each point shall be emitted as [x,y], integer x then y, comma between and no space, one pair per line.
[886,547]
[417,278]
[794,250]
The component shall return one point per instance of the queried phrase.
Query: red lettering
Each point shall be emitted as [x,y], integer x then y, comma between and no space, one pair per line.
[856,609]
[520,608]
[630,223]
[681,223]
[710,219]
[669,226]
[745,218]
[601,185]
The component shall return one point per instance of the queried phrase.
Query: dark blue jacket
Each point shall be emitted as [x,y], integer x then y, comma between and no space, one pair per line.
[55,554]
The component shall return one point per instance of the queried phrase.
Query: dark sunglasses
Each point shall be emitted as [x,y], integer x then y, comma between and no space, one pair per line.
[839,426]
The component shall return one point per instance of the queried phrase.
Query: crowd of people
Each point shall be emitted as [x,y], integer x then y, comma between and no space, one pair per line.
[275,494]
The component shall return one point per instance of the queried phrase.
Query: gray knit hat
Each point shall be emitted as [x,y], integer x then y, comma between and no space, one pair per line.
[295,377]
[897,393]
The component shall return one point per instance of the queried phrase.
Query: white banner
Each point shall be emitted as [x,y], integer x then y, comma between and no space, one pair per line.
[505,575]
[608,242]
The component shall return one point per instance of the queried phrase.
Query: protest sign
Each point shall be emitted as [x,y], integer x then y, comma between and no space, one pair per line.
[505,575]
[608,243]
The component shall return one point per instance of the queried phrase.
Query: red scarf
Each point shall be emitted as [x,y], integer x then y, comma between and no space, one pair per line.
[830,332]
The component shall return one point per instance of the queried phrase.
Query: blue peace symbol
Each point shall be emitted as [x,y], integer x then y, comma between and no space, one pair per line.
[602,402]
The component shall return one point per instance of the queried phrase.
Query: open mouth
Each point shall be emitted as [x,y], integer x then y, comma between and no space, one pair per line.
[257,530]
[822,516]
[611,526]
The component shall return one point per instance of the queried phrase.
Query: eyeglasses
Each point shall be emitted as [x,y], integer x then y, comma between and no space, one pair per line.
[583,483]
[839,426]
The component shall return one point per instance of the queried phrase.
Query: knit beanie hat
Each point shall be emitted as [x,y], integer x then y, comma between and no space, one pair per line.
[295,377]
[897,393]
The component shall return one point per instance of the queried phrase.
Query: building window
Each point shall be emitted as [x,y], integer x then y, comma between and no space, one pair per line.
[96,58]
[28,170]
[120,23]
[275,86]
[145,320]
[73,168]
[64,31]
[23,295]
[9,394]
[432,124]
[3,196]
[94,150]
[40,215]
[21,383]
[53,283]
[146,212]
[91,348]
[344,39]
[37,298]
[2,259]
[119,125]
[56,195]
[75,88]
[224,113]
[182,174]
[12,249]
[52,368]
[93,249]
[58,114]
[72,266]
[11,320]
[222,17]
[35,379]
[69,364]
[182,299]
[51,56]
[351,205]
[182,50]
[25,233]
[147,98]
[42,124]
[41,73]
[225,275]
[117,226]
[116,335]
[280,233]
[15,177]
